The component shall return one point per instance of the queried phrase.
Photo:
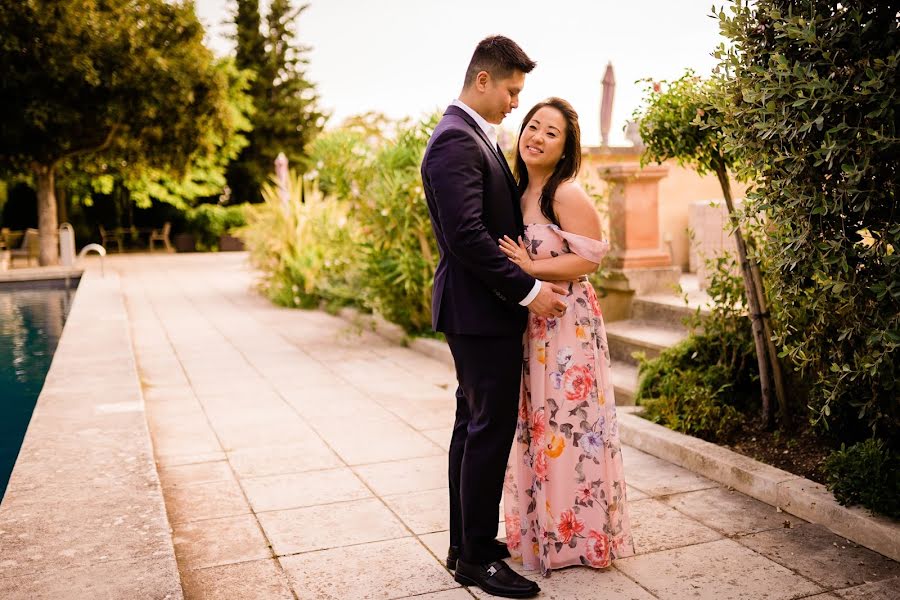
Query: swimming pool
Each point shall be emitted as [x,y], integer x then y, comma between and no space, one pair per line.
[31,320]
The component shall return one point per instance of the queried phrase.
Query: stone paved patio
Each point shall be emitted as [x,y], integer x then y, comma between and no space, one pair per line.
[301,458]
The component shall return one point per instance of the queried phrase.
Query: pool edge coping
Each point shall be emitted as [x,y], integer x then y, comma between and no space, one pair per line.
[99,309]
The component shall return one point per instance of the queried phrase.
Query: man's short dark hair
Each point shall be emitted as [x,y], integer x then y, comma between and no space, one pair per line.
[499,56]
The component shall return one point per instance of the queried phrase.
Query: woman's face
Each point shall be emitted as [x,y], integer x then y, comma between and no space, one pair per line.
[543,139]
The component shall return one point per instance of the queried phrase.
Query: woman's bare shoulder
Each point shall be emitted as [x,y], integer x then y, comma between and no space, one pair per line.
[575,209]
[571,192]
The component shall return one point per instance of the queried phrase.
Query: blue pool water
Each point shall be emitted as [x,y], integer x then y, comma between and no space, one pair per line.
[31,321]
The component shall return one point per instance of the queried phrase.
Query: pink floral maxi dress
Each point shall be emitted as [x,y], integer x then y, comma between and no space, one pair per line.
[565,487]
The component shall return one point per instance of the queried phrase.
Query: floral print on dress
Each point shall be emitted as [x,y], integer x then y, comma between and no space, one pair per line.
[565,486]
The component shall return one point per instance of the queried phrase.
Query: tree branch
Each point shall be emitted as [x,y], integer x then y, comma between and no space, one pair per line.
[91,149]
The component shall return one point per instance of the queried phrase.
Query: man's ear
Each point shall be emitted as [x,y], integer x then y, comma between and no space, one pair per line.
[481,80]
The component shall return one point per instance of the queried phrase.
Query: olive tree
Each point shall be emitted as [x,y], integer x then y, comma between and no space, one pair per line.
[124,83]
[679,123]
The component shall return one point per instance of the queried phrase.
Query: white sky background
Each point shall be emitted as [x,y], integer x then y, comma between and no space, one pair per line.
[408,57]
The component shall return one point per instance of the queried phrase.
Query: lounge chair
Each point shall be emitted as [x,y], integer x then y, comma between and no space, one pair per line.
[115,235]
[30,248]
[162,235]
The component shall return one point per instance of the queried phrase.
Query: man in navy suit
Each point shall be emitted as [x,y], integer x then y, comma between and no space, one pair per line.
[481,302]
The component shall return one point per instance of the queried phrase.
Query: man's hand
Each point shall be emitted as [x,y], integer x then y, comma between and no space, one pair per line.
[548,302]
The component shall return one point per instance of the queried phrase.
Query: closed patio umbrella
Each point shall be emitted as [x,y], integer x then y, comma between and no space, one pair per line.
[606,103]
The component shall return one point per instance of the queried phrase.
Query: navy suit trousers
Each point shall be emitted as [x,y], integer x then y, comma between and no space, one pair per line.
[489,372]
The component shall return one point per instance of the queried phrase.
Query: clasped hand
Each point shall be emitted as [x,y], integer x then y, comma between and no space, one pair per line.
[547,303]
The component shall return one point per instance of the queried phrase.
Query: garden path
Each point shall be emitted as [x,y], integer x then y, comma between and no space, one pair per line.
[303,458]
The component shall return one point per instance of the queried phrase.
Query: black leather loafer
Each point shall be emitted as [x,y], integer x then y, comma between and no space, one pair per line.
[499,551]
[495,578]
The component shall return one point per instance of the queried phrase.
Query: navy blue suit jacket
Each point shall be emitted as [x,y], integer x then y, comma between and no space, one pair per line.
[473,201]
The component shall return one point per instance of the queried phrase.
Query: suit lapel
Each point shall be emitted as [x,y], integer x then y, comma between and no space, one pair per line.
[500,158]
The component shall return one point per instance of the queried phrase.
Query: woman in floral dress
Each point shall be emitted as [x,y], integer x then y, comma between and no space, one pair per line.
[565,489]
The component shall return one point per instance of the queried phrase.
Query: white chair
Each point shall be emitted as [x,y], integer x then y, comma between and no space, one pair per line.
[30,248]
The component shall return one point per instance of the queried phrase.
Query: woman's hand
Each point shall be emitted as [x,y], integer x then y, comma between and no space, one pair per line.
[517,253]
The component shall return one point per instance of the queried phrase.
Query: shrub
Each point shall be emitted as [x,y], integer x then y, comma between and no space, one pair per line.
[399,248]
[341,163]
[866,473]
[676,393]
[811,100]
[363,237]
[209,221]
[702,385]
[305,250]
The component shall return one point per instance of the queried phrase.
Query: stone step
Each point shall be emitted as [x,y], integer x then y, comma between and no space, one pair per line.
[651,338]
[625,380]
[669,311]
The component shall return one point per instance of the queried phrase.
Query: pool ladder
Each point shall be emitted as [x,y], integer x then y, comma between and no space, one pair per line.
[67,249]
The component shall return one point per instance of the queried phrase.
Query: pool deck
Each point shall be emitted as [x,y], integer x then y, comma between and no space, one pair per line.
[83,514]
[194,440]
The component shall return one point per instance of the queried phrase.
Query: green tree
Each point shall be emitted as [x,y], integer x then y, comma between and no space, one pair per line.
[122,82]
[250,52]
[812,102]
[680,122]
[286,116]
[205,176]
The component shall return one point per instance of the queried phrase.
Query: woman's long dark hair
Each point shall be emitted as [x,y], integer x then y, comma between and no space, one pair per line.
[567,167]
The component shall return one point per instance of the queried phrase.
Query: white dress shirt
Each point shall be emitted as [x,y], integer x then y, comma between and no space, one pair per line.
[486,127]
[491,133]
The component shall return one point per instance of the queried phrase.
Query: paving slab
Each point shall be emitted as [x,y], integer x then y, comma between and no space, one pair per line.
[146,579]
[206,500]
[83,515]
[122,526]
[330,526]
[382,570]
[720,570]
[440,436]
[309,455]
[263,579]
[405,476]
[885,589]
[216,542]
[657,477]
[193,474]
[816,553]
[422,512]
[295,490]
[801,497]
[729,512]
[633,494]
[376,441]
[658,527]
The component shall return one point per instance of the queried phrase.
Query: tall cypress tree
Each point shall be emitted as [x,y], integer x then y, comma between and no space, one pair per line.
[251,46]
[286,114]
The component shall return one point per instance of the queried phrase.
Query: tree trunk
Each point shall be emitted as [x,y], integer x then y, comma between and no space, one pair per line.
[62,204]
[777,375]
[47,223]
[759,340]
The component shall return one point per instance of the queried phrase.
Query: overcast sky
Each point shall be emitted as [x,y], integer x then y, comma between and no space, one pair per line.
[408,57]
